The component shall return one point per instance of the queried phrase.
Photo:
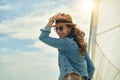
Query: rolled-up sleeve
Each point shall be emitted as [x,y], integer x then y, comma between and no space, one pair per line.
[54,42]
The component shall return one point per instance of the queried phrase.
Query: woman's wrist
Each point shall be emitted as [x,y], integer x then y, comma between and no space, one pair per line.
[51,19]
[50,22]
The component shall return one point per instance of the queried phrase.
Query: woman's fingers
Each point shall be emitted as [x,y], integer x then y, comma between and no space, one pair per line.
[59,16]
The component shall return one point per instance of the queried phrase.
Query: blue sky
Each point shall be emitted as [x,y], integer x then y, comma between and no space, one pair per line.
[22,55]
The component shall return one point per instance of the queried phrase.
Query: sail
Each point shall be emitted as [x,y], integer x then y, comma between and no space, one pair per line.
[104,39]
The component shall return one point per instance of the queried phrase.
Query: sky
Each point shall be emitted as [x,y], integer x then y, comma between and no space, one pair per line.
[22,55]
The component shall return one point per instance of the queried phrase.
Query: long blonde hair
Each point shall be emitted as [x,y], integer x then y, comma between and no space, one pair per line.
[78,36]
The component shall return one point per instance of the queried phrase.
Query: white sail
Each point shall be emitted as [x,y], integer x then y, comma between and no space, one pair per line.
[105,39]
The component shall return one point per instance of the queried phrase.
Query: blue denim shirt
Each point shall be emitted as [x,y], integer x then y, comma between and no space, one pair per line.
[69,58]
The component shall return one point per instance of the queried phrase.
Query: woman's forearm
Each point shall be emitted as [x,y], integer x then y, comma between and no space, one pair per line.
[50,22]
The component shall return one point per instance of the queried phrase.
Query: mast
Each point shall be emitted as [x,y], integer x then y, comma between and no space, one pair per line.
[93,27]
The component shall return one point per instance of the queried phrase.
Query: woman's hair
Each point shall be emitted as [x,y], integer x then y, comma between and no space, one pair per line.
[78,36]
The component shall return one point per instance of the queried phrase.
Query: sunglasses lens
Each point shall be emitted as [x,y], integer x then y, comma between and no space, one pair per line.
[59,28]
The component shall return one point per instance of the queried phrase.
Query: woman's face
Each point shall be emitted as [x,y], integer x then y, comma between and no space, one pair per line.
[62,30]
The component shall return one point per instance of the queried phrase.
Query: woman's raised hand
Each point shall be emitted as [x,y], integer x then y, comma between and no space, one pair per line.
[58,16]
[55,17]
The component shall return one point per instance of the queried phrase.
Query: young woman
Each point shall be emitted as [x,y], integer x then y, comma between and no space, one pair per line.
[74,62]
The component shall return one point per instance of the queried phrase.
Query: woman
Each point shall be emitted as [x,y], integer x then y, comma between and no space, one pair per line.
[74,62]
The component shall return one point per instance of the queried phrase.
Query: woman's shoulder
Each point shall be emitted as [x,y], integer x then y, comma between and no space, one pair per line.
[70,42]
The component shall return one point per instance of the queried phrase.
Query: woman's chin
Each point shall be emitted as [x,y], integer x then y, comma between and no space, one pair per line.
[61,36]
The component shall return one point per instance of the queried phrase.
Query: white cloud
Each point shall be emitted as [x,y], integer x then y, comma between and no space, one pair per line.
[3,49]
[44,47]
[4,7]
[23,27]
[32,65]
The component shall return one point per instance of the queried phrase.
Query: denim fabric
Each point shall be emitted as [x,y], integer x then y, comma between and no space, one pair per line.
[69,58]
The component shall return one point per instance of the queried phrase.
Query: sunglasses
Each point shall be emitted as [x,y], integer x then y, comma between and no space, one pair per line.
[60,28]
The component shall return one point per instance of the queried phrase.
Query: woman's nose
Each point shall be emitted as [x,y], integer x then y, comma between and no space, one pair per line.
[58,31]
